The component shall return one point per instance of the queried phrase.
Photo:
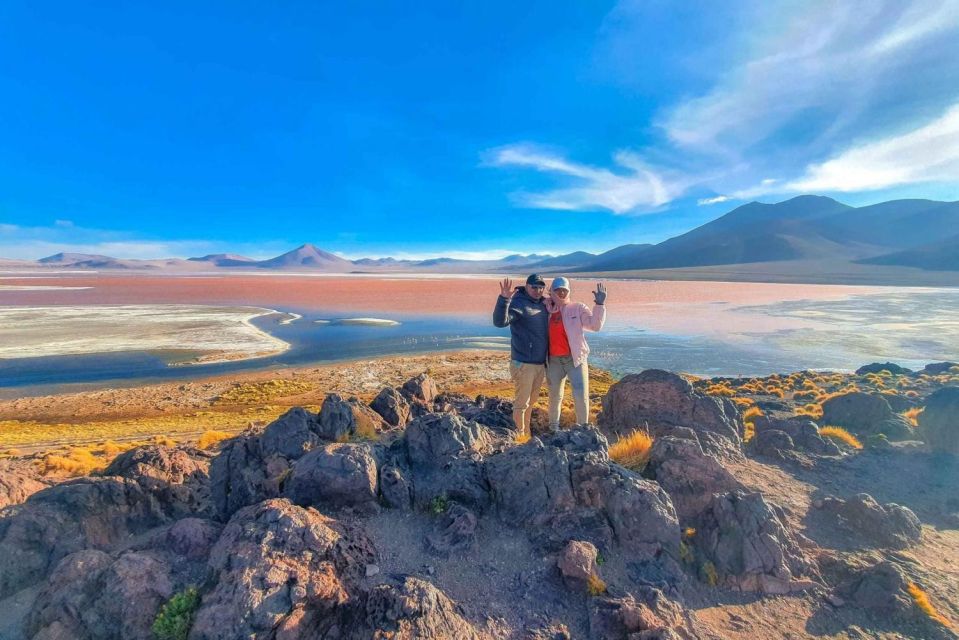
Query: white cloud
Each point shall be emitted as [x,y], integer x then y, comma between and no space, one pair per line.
[927,154]
[830,63]
[637,186]
[708,201]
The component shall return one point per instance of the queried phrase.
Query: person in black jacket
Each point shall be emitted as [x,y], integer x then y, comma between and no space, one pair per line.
[523,310]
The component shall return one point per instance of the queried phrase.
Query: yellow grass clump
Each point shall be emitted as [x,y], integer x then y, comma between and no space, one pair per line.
[265,391]
[750,426]
[595,585]
[922,601]
[720,390]
[838,433]
[210,438]
[749,430]
[813,410]
[632,451]
[78,461]
[689,532]
[752,412]
[522,437]
[912,415]
[744,402]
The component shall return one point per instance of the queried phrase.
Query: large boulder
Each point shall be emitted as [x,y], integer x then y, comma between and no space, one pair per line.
[564,487]
[802,431]
[688,474]
[939,421]
[178,476]
[337,475]
[239,476]
[577,563]
[645,614]
[772,443]
[435,439]
[867,414]
[877,367]
[292,435]
[413,609]
[340,419]
[86,513]
[280,571]
[938,368]
[91,595]
[421,388]
[748,547]
[890,525]
[19,479]
[660,401]
[392,407]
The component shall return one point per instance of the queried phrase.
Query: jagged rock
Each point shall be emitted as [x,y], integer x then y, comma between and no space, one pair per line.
[86,513]
[239,476]
[292,435]
[660,401]
[576,563]
[772,443]
[422,388]
[880,587]
[455,532]
[865,413]
[889,525]
[337,475]
[564,487]
[413,610]
[91,595]
[494,413]
[435,439]
[899,403]
[395,487]
[339,418]
[460,480]
[803,432]
[876,367]
[392,407]
[280,569]
[939,421]
[178,476]
[18,481]
[190,538]
[749,547]
[938,368]
[688,474]
[647,614]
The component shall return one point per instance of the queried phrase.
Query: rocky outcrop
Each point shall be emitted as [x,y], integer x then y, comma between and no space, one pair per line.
[749,548]
[803,432]
[340,419]
[876,367]
[939,421]
[865,413]
[91,595]
[688,474]
[891,525]
[773,444]
[239,476]
[421,388]
[413,609]
[576,563]
[335,476]
[177,476]
[565,488]
[292,435]
[644,614]
[86,513]
[18,481]
[938,368]
[280,570]
[660,401]
[392,407]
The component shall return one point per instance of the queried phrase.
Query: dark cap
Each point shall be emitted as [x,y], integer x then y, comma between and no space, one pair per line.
[535,279]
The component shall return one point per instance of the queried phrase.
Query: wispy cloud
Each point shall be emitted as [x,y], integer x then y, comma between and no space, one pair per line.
[716,200]
[636,186]
[927,154]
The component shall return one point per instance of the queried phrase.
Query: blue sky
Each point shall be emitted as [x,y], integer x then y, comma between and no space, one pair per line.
[468,129]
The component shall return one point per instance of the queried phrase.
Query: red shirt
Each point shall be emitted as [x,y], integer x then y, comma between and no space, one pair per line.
[558,342]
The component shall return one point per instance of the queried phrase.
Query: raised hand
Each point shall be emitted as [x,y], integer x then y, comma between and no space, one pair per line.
[506,288]
[599,296]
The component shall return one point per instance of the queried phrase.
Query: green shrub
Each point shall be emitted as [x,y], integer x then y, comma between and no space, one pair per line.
[439,505]
[175,618]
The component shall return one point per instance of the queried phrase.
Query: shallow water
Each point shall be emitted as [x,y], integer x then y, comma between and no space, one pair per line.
[699,327]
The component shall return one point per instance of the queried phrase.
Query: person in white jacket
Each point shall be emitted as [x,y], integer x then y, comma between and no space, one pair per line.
[568,350]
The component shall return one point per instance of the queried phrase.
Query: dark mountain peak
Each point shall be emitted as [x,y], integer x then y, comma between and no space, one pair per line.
[306,255]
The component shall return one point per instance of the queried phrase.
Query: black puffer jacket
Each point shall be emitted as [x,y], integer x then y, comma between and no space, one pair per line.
[528,322]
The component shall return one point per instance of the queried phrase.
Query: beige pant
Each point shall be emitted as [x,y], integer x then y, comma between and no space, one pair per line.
[560,368]
[528,379]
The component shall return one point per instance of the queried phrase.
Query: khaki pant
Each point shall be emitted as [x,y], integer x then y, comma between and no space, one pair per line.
[528,379]
[560,368]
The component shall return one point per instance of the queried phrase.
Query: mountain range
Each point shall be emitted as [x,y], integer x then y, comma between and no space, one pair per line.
[806,230]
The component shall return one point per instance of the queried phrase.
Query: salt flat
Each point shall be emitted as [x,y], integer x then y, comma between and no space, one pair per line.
[186,334]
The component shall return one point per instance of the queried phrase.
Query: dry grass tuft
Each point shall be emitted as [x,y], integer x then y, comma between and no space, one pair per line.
[912,415]
[813,410]
[632,451]
[922,601]
[522,437]
[840,434]
[245,393]
[210,438]
[595,585]
[78,461]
